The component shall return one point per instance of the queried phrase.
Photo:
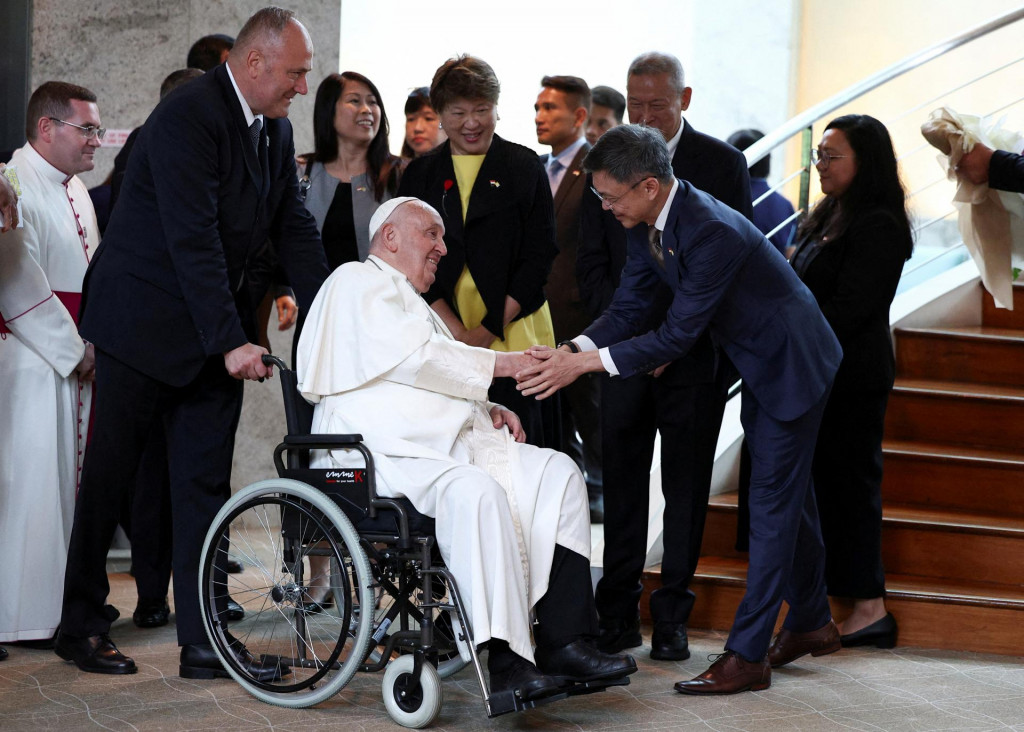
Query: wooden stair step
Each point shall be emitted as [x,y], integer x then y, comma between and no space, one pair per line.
[961,522]
[961,615]
[946,545]
[958,413]
[953,477]
[998,317]
[916,540]
[979,354]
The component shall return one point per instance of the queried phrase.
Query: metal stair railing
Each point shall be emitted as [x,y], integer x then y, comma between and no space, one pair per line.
[935,226]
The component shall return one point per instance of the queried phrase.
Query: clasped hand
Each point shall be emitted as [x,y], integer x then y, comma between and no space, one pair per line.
[547,371]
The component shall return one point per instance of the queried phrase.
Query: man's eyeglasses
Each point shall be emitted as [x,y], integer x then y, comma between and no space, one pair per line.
[610,201]
[824,158]
[88,132]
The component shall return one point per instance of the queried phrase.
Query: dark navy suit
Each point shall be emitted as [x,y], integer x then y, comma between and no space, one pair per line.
[1006,171]
[726,278]
[685,404]
[166,295]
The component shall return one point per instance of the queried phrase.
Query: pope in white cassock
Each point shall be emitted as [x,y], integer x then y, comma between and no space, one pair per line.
[46,366]
[512,520]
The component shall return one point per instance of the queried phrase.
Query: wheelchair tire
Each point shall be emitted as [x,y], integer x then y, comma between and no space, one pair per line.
[320,652]
[411,708]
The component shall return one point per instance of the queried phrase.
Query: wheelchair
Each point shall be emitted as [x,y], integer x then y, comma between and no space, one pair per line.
[391,603]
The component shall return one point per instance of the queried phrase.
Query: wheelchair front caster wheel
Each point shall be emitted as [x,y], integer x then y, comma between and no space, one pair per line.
[408,703]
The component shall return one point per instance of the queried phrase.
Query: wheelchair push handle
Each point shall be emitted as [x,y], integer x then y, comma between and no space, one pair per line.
[271,360]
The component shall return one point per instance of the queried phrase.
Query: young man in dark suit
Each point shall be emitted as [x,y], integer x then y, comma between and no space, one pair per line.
[561,112]
[727,279]
[166,303]
[683,400]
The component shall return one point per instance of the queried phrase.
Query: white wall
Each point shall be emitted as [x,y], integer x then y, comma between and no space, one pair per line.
[736,53]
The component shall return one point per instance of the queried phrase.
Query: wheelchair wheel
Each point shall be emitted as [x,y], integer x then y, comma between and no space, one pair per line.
[410,704]
[283,530]
[452,653]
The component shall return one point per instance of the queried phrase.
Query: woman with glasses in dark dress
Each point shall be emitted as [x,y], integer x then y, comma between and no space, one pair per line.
[850,252]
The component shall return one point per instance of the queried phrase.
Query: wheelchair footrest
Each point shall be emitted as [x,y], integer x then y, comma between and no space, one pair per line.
[504,702]
[590,687]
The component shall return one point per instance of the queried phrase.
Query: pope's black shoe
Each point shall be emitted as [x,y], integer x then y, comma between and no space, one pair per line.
[617,634]
[235,612]
[579,662]
[96,654]
[199,661]
[150,613]
[669,642]
[520,674]
[3,653]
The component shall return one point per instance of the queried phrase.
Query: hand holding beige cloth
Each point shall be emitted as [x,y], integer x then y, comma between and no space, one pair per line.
[991,222]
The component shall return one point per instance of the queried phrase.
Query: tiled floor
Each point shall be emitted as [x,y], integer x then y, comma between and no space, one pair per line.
[907,689]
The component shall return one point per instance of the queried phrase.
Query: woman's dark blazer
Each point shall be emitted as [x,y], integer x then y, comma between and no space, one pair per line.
[854,277]
[508,239]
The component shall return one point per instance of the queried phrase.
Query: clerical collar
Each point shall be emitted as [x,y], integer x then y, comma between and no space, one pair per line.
[246,110]
[44,167]
[662,219]
[674,142]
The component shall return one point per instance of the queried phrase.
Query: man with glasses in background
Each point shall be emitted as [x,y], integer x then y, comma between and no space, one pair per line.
[683,400]
[725,279]
[47,367]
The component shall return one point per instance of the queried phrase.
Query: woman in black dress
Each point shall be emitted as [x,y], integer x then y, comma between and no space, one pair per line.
[850,253]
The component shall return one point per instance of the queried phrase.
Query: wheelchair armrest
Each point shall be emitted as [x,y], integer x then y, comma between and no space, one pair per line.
[322,442]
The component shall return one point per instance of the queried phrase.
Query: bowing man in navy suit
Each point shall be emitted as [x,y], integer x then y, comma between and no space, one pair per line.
[166,303]
[728,280]
[683,401]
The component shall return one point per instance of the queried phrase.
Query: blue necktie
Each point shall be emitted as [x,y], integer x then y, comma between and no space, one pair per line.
[554,168]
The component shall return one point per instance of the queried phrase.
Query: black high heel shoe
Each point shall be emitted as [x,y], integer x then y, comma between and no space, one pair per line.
[880,634]
[318,606]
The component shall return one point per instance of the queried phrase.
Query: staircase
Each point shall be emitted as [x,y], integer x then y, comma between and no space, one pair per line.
[953,494]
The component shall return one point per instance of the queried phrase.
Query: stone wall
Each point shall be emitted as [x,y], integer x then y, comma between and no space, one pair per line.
[122,50]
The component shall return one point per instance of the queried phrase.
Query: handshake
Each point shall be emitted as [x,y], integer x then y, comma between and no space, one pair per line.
[541,370]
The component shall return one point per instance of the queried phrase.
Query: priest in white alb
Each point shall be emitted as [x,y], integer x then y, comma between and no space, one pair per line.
[47,367]
[512,520]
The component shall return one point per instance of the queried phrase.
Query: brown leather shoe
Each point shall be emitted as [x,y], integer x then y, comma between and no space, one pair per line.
[730,674]
[789,646]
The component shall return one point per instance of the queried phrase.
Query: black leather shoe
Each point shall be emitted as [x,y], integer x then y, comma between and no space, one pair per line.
[618,635]
[669,642]
[880,634]
[233,565]
[198,661]
[521,675]
[151,613]
[579,662]
[3,653]
[96,654]
[235,612]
